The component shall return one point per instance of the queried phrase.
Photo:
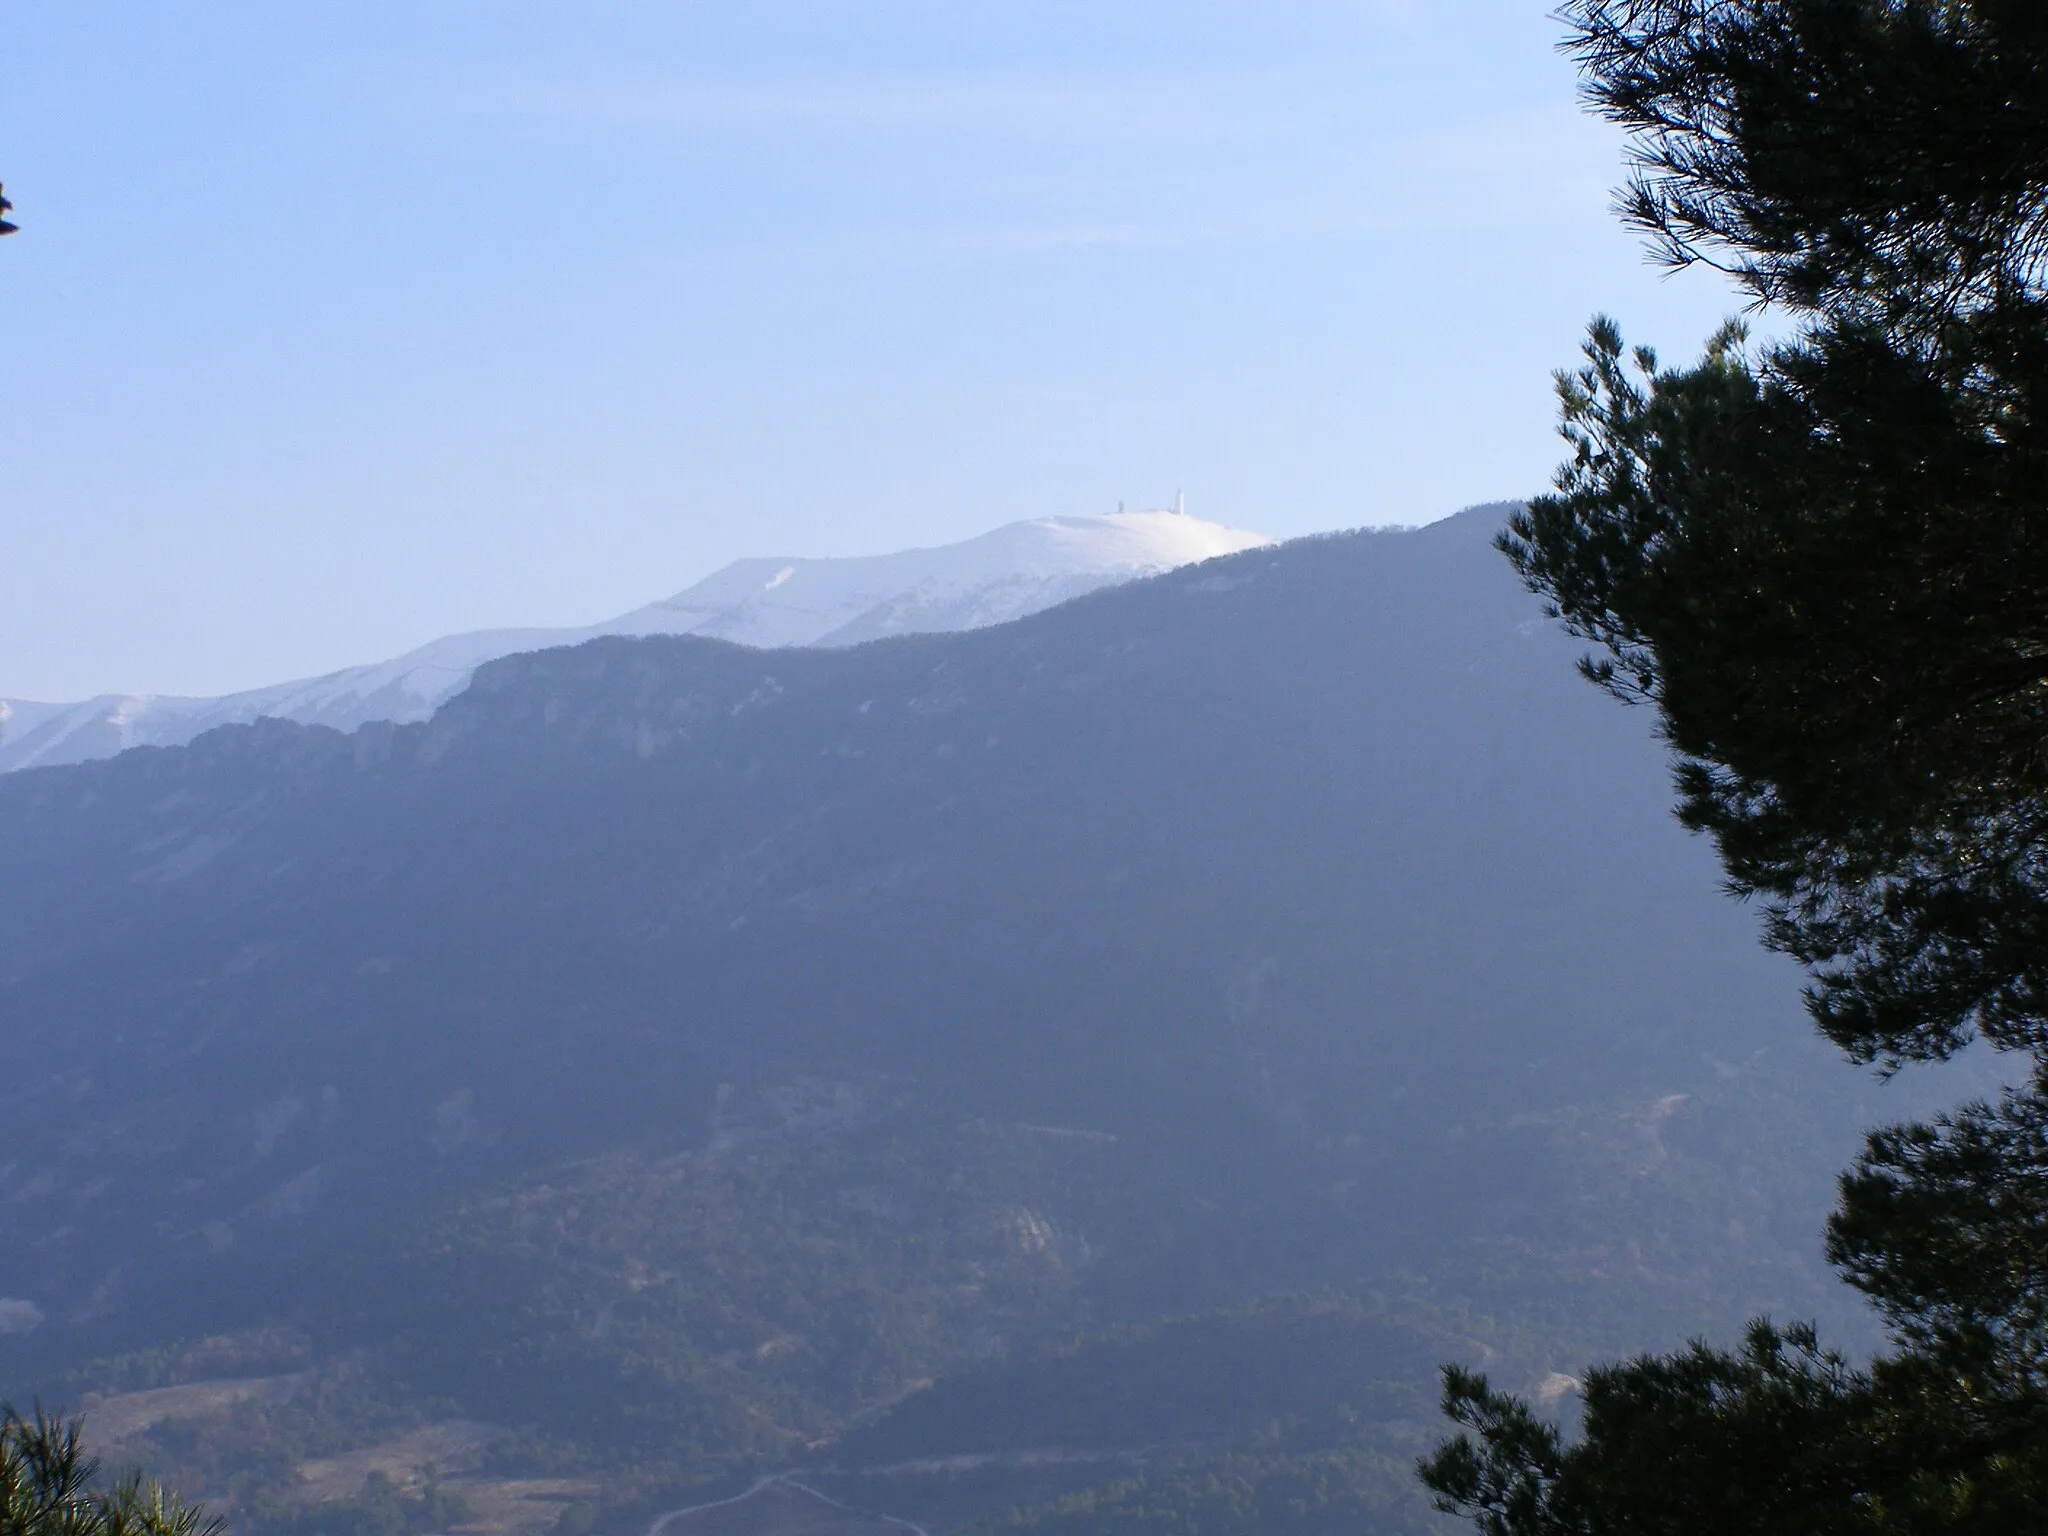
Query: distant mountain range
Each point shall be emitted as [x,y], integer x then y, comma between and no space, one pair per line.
[1096,1065]
[1015,570]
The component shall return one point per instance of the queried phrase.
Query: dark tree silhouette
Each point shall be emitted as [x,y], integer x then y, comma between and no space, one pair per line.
[49,1486]
[1825,564]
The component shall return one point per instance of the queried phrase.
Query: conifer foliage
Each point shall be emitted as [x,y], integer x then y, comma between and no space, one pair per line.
[50,1486]
[1824,563]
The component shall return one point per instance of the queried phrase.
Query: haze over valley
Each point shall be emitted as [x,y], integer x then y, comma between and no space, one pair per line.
[1014,1075]
[628,909]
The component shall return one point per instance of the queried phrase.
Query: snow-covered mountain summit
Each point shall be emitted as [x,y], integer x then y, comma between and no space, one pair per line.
[1003,575]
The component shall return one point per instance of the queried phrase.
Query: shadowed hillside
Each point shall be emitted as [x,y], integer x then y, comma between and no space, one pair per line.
[672,1054]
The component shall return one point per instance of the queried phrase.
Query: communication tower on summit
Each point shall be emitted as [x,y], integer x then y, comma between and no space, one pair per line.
[1178,509]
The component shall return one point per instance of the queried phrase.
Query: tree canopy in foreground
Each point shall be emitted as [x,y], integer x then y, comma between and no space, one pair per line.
[49,1486]
[1825,564]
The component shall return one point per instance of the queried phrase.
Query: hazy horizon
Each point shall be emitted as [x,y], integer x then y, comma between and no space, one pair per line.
[335,330]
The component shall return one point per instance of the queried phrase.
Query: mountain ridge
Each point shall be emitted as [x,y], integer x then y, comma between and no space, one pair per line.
[671,1053]
[768,603]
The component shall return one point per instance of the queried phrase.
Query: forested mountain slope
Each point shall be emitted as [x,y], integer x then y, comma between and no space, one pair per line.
[674,1053]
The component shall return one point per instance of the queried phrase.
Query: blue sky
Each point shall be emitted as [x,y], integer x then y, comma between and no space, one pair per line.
[333,327]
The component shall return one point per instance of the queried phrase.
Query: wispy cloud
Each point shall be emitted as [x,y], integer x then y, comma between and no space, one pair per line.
[625,97]
[1203,161]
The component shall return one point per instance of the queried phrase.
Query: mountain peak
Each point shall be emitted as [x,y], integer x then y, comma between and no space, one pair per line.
[773,602]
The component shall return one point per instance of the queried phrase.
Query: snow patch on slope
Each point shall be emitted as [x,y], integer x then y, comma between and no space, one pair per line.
[1003,575]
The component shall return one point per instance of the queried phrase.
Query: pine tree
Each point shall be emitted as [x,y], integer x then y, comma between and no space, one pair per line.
[1824,563]
[49,1486]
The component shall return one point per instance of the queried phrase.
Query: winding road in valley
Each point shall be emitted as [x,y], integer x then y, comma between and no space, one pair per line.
[803,1512]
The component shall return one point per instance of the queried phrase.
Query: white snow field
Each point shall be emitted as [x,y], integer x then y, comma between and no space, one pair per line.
[1013,571]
